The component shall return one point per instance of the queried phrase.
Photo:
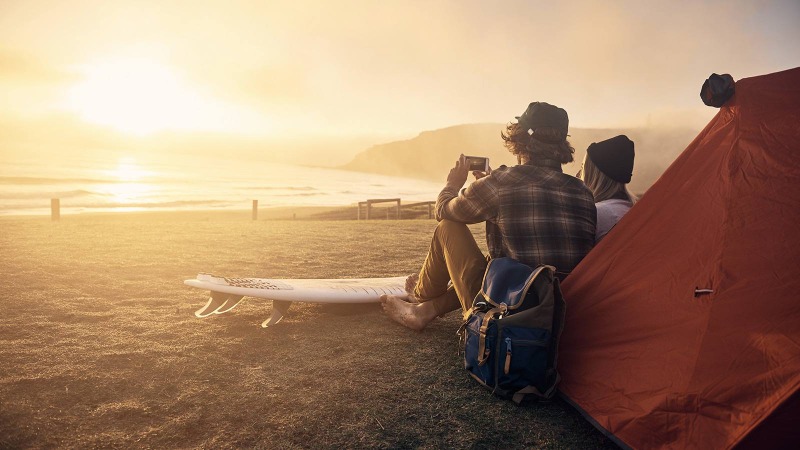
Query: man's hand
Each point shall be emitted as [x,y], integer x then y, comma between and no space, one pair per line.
[480,174]
[458,174]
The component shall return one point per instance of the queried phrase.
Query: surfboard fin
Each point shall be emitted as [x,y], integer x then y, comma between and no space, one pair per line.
[230,303]
[279,309]
[218,303]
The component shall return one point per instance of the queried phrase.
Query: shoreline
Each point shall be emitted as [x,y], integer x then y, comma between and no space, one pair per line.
[266,213]
[344,212]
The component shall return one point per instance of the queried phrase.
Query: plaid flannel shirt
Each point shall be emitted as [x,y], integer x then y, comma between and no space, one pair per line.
[534,213]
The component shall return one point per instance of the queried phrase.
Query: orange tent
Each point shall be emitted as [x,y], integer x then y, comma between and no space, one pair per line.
[683,324]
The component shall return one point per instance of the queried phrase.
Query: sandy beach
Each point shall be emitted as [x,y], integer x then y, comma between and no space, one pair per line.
[100,347]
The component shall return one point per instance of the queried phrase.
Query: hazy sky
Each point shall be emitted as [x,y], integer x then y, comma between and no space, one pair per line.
[279,68]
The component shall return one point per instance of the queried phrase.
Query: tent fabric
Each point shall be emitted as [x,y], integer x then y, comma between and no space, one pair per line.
[683,324]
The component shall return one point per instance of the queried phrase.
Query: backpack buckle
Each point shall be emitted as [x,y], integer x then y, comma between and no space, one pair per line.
[503,309]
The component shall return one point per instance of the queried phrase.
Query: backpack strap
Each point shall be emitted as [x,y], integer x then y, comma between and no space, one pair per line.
[483,355]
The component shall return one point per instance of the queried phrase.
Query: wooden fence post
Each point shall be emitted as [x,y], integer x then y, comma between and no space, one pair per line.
[55,209]
[371,201]
[255,209]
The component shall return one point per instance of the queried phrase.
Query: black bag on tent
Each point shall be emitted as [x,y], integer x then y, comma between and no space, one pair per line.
[717,89]
[511,333]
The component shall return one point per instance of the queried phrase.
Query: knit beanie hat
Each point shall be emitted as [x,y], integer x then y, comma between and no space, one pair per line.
[544,115]
[614,157]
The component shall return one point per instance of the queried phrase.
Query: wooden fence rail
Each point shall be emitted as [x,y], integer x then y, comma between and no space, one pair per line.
[398,207]
[429,203]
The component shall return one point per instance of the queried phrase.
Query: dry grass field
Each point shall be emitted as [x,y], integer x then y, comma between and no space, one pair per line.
[100,347]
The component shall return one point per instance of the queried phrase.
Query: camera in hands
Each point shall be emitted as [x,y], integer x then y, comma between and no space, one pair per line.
[478,163]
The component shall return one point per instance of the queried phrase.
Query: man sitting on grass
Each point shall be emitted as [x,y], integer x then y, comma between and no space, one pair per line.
[534,213]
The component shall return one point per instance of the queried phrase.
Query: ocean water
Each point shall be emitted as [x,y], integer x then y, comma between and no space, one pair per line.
[130,183]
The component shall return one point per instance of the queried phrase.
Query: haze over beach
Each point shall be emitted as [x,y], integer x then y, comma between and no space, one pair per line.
[135,89]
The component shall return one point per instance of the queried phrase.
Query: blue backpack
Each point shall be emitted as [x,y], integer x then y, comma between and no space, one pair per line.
[511,332]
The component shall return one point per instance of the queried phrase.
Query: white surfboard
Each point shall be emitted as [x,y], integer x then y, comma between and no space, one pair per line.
[227,293]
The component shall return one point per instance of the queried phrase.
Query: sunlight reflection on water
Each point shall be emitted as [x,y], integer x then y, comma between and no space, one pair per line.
[136,183]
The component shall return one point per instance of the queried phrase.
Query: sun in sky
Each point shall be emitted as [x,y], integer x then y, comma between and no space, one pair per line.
[128,170]
[141,96]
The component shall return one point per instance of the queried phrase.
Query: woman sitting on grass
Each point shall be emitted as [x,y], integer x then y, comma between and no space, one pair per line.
[533,211]
[607,169]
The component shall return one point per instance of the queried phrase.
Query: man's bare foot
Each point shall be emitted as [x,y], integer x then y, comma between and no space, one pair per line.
[411,315]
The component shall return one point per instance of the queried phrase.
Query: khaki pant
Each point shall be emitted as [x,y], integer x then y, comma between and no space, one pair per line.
[454,256]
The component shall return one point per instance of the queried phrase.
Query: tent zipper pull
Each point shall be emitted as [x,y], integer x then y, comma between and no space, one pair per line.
[507,366]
